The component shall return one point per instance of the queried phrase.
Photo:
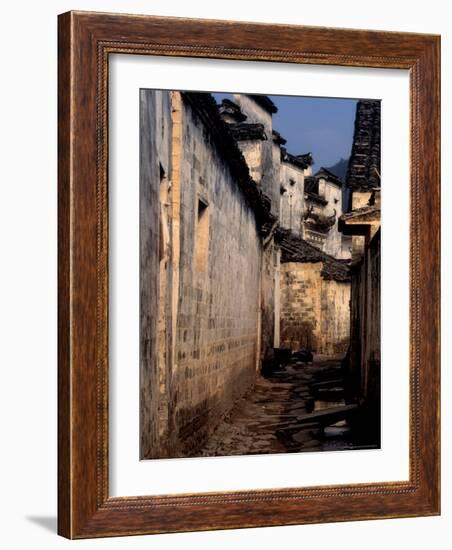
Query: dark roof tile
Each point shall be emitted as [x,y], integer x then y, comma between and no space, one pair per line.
[301,161]
[296,249]
[265,102]
[243,131]
[364,167]
[328,175]
[228,107]
[277,138]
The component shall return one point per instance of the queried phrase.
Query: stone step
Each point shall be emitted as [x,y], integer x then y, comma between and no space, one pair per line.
[331,415]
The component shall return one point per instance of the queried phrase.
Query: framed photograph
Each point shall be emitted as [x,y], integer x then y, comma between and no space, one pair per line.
[248,275]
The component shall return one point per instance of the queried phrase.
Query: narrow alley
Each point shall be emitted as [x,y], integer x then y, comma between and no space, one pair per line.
[251,262]
[300,406]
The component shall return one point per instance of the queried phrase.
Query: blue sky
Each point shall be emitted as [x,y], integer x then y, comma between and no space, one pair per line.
[322,126]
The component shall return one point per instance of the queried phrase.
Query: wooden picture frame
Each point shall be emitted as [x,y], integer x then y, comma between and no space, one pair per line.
[86,40]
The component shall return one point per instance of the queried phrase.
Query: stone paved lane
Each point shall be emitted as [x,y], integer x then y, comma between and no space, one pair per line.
[273,417]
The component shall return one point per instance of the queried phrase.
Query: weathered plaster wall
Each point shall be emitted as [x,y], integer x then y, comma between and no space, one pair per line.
[347,246]
[264,161]
[269,180]
[254,112]
[333,194]
[252,151]
[155,175]
[292,200]
[360,199]
[276,175]
[314,311]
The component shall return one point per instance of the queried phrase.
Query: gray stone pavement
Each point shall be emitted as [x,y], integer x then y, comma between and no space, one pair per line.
[274,416]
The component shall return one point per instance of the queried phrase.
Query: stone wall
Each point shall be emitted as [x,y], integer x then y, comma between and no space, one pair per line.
[314,311]
[300,305]
[205,344]
[217,331]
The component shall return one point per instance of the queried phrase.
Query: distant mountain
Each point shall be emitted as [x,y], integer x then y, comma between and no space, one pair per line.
[340,168]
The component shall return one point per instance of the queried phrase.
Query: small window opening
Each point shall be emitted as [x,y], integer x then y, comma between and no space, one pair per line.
[202,237]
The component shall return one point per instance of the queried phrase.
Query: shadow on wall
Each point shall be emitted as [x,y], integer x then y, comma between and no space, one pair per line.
[49,523]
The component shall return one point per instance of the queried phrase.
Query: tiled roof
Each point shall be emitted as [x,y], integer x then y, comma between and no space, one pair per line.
[316,198]
[243,131]
[301,161]
[325,173]
[359,221]
[363,213]
[296,249]
[364,167]
[307,158]
[230,108]
[277,138]
[265,102]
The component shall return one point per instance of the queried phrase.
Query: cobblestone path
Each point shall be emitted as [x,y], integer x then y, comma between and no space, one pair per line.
[272,418]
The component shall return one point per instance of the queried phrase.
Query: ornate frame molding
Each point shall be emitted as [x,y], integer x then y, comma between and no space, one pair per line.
[85,42]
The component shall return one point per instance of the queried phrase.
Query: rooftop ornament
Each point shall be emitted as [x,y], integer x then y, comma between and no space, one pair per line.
[231,109]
